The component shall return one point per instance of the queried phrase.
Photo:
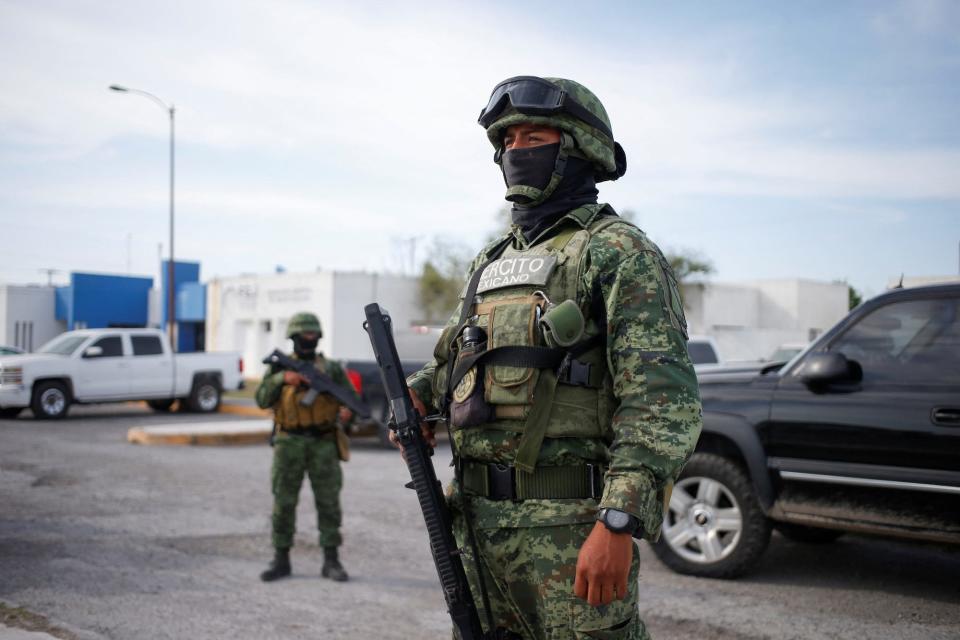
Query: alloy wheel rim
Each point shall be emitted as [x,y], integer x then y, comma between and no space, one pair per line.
[53,401]
[703,523]
[207,397]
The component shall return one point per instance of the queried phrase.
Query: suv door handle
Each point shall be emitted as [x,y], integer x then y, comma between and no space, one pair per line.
[947,416]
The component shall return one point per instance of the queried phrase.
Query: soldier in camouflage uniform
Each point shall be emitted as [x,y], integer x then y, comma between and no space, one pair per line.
[560,464]
[305,442]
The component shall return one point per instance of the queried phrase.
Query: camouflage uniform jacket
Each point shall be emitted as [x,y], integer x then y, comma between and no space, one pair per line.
[657,419]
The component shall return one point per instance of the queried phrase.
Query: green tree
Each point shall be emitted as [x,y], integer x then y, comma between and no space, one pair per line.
[442,278]
[686,264]
[854,297]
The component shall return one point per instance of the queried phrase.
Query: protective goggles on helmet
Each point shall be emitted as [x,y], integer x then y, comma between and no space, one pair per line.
[535,96]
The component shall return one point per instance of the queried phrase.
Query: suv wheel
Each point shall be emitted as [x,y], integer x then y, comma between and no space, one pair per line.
[714,526]
[205,396]
[50,401]
[809,535]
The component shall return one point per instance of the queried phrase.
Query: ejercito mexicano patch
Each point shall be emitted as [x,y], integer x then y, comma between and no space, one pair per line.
[508,272]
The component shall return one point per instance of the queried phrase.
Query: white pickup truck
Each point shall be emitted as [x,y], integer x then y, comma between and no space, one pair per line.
[114,365]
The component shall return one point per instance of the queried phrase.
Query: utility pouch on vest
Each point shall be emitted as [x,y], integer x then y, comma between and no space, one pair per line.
[512,325]
[291,414]
[562,325]
[469,408]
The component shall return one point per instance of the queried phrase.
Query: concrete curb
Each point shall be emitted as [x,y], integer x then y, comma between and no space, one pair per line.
[203,433]
[245,410]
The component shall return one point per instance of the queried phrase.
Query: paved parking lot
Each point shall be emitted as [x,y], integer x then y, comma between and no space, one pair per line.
[104,539]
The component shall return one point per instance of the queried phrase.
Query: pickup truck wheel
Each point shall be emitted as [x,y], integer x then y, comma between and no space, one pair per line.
[205,396]
[809,535]
[51,401]
[10,412]
[714,526]
[161,405]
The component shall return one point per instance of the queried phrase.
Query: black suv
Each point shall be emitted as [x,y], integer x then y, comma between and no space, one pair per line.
[860,432]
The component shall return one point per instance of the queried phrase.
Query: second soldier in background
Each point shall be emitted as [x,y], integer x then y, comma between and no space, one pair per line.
[305,443]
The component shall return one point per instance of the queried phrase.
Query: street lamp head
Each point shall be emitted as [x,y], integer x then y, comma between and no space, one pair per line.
[116,87]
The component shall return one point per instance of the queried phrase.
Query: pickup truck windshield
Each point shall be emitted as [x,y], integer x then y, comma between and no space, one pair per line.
[62,345]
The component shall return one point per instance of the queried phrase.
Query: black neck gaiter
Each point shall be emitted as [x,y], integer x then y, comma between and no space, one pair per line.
[305,349]
[577,188]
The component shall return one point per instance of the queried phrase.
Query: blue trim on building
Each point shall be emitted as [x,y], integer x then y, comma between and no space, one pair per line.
[97,301]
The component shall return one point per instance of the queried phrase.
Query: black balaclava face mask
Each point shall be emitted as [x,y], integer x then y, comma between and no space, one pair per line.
[529,171]
[305,349]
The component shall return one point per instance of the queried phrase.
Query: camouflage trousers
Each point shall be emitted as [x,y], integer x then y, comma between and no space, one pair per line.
[529,573]
[294,456]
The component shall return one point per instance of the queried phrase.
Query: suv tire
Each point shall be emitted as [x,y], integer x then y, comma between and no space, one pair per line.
[808,535]
[205,395]
[714,526]
[51,400]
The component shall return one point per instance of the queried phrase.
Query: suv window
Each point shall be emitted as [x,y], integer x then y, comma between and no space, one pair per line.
[111,345]
[702,352]
[914,341]
[146,345]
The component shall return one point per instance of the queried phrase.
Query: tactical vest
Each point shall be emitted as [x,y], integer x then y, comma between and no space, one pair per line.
[575,399]
[290,414]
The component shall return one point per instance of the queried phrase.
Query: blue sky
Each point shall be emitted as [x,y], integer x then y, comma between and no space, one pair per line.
[808,139]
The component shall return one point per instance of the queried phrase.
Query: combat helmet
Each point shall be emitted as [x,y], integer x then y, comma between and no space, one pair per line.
[304,321]
[561,103]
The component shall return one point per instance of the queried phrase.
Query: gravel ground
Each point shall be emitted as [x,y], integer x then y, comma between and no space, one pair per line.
[103,539]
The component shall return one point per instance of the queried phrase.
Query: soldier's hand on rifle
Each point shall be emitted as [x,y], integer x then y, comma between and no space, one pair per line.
[428,433]
[294,379]
[603,566]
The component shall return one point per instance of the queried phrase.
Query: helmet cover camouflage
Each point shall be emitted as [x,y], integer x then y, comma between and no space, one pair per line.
[303,322]
[606,154]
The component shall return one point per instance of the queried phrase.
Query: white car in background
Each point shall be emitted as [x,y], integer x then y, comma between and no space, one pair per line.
[703,350]
[114,365]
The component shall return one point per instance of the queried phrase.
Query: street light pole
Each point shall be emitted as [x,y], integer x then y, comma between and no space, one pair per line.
[171,288]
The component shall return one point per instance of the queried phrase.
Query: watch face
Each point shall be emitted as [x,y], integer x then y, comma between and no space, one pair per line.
[616,519]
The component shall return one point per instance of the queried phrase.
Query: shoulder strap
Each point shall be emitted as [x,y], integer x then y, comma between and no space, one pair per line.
[465,307]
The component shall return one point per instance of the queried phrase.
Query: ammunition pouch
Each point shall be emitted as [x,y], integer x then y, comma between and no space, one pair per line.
[290,414]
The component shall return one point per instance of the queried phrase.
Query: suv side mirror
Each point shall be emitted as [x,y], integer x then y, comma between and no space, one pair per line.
[823,368]
[93,352]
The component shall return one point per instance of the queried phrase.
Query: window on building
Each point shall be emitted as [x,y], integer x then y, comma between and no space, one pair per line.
[111,345]
[146,345]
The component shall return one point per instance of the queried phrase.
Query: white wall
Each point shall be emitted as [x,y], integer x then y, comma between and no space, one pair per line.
[352,292]
[239,310]
[749,320]
[33,309]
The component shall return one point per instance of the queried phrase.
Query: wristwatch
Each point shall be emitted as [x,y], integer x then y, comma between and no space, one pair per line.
[618,521]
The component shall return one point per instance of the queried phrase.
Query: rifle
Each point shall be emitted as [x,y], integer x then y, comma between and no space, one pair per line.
[406,424]
[319,383]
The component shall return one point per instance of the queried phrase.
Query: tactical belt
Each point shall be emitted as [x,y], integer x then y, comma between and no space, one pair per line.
[311,432]
[503,482]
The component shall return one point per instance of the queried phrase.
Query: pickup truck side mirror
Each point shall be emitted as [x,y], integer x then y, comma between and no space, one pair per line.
[824,368]
[93,352]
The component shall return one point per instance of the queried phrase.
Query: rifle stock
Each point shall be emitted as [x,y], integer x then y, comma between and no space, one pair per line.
[446,555]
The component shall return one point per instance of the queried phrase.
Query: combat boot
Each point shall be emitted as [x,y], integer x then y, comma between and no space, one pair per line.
[331,566]
[279,568]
